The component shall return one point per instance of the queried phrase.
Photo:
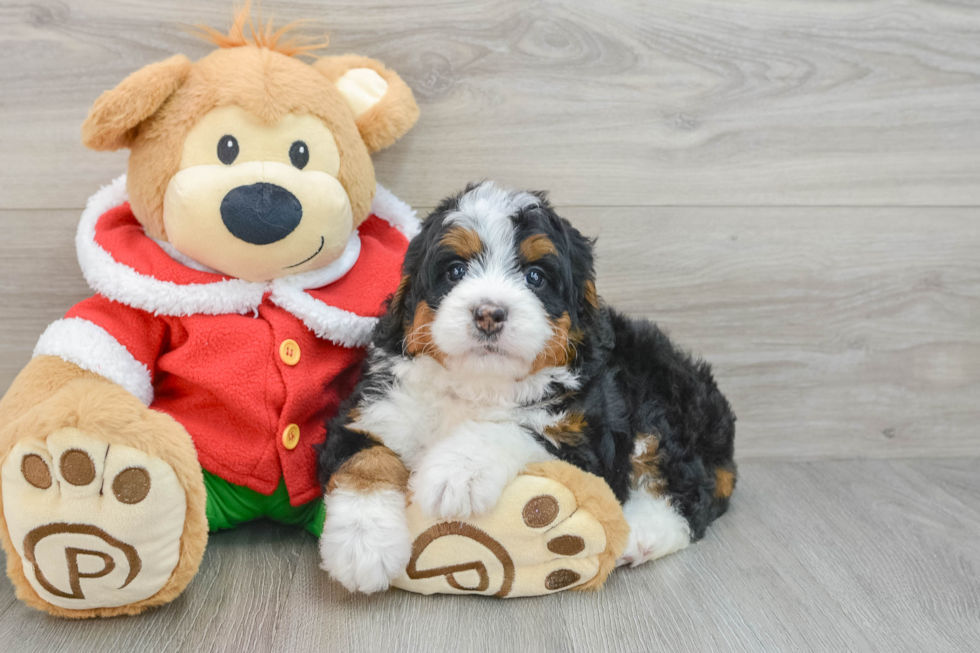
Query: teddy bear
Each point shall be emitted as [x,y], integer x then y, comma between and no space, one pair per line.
[239,268]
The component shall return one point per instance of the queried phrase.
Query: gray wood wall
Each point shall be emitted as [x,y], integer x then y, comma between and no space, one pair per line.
[792,188]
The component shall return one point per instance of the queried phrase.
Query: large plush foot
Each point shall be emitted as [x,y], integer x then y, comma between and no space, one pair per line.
[554,527]
[95,525]
[365,542]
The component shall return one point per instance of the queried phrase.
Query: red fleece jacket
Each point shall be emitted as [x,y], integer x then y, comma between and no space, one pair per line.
[207,349]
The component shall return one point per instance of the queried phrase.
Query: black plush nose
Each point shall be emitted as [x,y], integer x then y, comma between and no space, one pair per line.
[261,213]
[489,318]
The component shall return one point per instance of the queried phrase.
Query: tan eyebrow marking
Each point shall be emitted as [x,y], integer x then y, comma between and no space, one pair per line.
[465,242]
[536,247]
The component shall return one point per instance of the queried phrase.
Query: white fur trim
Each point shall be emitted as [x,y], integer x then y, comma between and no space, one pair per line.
[91,347]
[395,212]
[328,322]
[125,285]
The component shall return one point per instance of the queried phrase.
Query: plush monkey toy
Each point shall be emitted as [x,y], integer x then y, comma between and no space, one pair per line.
[238,269]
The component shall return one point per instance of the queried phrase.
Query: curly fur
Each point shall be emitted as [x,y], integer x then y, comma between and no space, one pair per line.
[611,395]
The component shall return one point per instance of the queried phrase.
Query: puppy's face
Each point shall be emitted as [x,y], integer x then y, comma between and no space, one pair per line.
[495,283]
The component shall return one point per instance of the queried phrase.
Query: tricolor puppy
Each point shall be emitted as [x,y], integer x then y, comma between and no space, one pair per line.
[495,353]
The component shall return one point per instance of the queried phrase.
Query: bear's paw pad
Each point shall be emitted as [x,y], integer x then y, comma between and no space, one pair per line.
[95,525]
[536,540]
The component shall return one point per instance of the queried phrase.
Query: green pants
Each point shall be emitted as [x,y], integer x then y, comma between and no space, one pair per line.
[229,505]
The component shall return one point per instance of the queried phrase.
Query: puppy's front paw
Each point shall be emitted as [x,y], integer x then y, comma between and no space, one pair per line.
[365,542]
[451,484]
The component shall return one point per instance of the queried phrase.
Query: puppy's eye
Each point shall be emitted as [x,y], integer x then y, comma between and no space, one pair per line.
[456,272]
[534,277]
[299,154]
[227,149]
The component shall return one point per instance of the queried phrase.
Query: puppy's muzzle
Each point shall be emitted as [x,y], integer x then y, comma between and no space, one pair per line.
[261,213]
[489,318]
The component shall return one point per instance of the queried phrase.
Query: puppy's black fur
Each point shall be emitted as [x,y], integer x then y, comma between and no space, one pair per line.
[634,383]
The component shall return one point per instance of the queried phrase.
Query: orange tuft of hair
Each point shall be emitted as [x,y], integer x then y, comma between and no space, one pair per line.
[261,36]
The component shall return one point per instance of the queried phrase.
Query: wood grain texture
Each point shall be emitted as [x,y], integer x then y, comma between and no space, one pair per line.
[789,187]
[823,556]
[620,102]
[835,332]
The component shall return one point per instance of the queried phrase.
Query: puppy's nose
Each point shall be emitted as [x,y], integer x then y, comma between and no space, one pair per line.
[261,213]
[489,318]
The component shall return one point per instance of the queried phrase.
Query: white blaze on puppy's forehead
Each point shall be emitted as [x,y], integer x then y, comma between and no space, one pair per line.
[488,203]
[488,209]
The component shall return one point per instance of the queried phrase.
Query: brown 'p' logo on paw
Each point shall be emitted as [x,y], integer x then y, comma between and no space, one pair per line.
[32,539]
[463,530]
[538,513]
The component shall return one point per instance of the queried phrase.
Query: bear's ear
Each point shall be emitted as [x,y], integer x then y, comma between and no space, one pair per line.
[382,104]
[113,119]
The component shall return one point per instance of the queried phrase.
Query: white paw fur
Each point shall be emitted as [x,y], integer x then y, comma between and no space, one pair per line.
[365,542]
[95,525]
[464,474]
[450,482]
[656,529]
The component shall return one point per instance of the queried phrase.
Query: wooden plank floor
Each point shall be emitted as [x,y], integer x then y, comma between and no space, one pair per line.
[850,556]
[793,189]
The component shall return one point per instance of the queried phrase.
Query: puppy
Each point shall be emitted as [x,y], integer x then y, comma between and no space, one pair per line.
[496,352]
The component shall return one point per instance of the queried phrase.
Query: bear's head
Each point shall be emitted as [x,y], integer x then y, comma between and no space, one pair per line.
[251,161]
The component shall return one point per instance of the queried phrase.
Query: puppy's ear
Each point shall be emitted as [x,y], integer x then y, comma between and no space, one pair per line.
[582,257]
[390,332]
[400,309]
[114,118]
[383,105]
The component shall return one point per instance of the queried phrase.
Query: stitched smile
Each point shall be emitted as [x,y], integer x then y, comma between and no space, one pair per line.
[305,260]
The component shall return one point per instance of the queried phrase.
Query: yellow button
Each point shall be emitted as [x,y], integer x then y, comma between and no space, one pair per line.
[289,352]
[290,437]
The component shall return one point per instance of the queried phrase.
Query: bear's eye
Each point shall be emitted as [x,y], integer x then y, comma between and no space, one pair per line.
[227,149]
[299,154]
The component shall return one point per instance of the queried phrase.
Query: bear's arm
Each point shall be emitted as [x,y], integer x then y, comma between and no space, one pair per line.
[98,338]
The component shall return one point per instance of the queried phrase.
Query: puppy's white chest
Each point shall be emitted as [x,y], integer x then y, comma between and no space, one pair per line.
[426,405]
